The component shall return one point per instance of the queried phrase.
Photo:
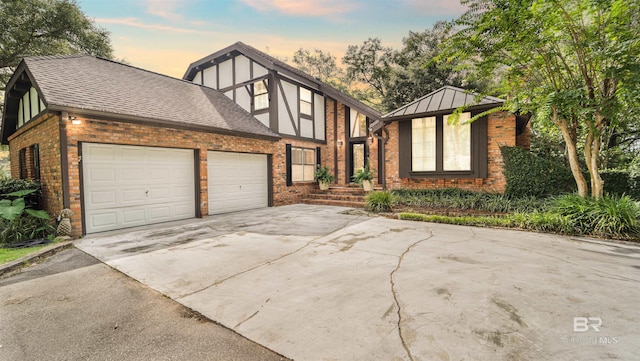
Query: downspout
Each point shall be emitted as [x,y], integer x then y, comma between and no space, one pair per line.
[335,139]
[64,160]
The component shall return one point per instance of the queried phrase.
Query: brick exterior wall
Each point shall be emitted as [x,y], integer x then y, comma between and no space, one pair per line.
[45,132]
[501,128]
[524,140]
[341,151]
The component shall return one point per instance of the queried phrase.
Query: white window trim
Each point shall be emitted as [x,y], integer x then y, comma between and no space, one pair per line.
[456,153]
[307,170]
[307,102]
[423,144]
[261,94]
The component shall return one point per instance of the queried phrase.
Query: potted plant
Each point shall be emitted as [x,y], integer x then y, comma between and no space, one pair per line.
[324,177]
[364,177]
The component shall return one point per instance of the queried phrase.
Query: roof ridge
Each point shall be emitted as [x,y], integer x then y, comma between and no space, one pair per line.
[56,56]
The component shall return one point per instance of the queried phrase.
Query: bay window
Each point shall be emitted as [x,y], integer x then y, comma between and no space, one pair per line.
[440,146]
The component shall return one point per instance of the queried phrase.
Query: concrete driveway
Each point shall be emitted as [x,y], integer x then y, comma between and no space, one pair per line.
[313,283]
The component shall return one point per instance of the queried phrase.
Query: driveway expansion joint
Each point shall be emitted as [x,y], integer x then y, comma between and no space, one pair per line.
[247,270]
[395,294]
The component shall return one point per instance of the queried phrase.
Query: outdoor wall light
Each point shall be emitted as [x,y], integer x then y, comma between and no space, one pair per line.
[339,143]
[75,121]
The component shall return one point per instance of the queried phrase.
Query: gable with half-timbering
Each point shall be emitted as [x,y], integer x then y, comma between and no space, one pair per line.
[289,104]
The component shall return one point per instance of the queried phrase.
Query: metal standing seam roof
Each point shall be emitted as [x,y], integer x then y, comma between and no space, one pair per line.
[445,98]
[276,64]
[86,83]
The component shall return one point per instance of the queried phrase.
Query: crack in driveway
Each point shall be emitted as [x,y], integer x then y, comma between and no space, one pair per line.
[395,294]
[344,225]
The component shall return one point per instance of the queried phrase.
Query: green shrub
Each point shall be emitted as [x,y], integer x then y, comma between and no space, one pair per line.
[10,185]
[378,202]
[467,200]
[19,222]
[616,181]
[479,221]
[609,216]
[530,175]
[539,221]
[24,228]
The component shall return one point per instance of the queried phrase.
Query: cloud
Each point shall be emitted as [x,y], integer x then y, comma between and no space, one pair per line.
[134,22]
[309,8]
[166,9]
[436,7]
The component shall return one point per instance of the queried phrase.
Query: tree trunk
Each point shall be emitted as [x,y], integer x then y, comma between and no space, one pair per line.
[592,155]
[572,155]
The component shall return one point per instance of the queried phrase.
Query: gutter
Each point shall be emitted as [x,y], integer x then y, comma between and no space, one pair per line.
[163,123]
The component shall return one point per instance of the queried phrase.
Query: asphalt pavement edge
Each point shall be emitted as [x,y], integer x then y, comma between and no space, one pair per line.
[33,257]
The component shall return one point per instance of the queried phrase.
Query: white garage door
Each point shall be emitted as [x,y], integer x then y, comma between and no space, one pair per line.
[127,186]
[237,181]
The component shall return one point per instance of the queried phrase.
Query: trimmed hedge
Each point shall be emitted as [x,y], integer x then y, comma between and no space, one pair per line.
[530,175]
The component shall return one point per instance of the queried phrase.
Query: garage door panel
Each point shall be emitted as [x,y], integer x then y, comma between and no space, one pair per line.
[133,217]
[129,197]
[102,219]
[237,181]
[99,152]
[126,186]
[107,198]
[133,174]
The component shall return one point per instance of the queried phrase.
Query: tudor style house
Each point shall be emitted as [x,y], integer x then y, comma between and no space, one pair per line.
[122,147]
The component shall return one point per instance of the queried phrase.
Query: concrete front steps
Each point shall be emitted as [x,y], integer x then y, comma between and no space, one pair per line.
[336,196]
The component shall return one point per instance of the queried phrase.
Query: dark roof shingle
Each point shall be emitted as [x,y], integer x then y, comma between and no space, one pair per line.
[82,82]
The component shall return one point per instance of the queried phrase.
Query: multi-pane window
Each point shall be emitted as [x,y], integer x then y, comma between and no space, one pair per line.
[358,124]
[260,95]
[29,106]
[456,150]
[305,101]
[303,164]
[423,144]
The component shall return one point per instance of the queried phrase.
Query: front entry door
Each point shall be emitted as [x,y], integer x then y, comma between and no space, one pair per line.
[357,157]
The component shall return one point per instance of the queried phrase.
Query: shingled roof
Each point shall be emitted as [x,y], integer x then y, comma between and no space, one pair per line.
[272,63]
[98,87]
[443,99]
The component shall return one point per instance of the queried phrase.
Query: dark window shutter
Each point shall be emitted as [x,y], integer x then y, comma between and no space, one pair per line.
[288,160]
[318,157]
[36,161]
[404,149]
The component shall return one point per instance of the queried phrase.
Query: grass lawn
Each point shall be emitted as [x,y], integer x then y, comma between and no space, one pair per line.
[11,254]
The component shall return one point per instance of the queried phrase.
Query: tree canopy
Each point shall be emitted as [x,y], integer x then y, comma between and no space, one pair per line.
[46,27]
[574,64]
[318,64]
